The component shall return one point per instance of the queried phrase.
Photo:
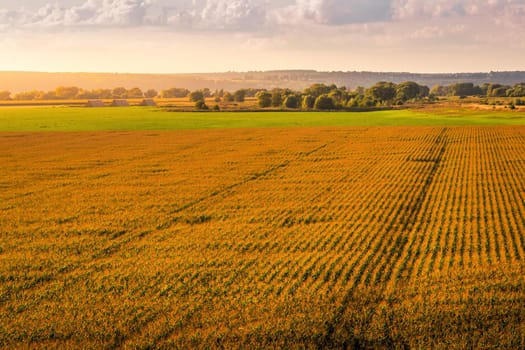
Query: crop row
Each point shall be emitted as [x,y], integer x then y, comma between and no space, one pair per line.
[185,238]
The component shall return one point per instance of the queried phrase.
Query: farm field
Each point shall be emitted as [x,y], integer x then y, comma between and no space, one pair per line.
[147,118]
[326,237]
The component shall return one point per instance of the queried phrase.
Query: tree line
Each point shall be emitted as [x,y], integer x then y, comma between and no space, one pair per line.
[485,90]
[323,97]
[76,93]
[317,96]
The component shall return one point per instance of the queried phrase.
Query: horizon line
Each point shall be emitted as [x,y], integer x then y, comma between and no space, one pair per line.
[262,71]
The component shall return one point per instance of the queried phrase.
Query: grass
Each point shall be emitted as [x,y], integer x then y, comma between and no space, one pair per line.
[140,118]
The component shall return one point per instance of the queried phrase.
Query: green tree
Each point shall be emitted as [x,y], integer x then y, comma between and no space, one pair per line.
[228,97]
[500,91]
[206,92]
[485,89]
[383,91]
[338,95]
[174,93]
[66,92]
[219,93]
[494,90]
[151,93]
[102,93]
[292,101]
[135,93]
[196,96]
[360,91]
[353,102]
[46,96]
[308,102]
[277,98]
[86,94]
[120,92]
[424,91]
[264,99]
[464,89]
[324,102]
[407,91]
[253,92]
[239,95]
[201,105]
[518,90]
[439,90]
[317,90]
[367,102]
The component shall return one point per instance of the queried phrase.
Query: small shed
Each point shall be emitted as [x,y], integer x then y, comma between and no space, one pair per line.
[120,103]
[148,102]
[95,103]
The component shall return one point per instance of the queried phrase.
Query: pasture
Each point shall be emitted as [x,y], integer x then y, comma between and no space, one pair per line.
[311,237]
[63,118]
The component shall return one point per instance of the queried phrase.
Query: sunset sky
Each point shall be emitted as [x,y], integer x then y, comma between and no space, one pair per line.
[172,36]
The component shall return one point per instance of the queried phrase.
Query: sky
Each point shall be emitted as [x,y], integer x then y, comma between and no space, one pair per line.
[185,36]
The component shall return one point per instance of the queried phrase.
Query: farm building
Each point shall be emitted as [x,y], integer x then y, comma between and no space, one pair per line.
[120,103]
[95,103]
[148,102]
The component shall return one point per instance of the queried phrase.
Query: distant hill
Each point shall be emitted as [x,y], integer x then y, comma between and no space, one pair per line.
[296,79]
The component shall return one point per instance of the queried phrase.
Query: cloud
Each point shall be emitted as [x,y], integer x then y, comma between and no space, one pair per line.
[259,16]
[335,12]
[7,18]
[91,13]
[236,14]
[241,15]
[108,12]
[418,9]
[185,15]
[436,32]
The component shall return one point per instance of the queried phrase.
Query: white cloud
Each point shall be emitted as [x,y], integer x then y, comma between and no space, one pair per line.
[185,15]
[266,17]
[241,15]
[417,9]
[90,13]
[232,14]
[335,12]
[108,12]
[344,12]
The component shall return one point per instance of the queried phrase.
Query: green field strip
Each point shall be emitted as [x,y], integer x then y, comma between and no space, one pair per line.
[41,119]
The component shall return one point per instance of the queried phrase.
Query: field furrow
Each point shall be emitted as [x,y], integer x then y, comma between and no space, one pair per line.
[263,238]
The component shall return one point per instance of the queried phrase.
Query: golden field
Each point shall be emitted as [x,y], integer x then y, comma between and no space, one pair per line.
[378,237]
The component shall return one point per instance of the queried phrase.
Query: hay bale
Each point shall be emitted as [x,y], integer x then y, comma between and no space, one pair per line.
[95,103]
[120,103]
[148,102]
